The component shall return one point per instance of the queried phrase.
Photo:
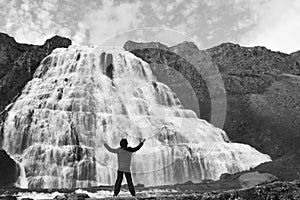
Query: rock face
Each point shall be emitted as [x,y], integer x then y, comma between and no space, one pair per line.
[263,97]
[262,91]
[296,55]
[9,170]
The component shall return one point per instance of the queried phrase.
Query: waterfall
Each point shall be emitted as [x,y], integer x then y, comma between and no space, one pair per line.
[22,181]
[80,96]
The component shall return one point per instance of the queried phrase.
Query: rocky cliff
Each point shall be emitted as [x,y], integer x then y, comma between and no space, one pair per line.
[262,93]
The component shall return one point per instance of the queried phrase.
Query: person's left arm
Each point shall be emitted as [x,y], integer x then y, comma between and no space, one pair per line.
[137,147]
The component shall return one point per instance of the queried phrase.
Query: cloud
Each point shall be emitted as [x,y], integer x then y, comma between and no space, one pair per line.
[272,23]
[28,22]
[80,35]
[35,21]
[277,27]
[110,19]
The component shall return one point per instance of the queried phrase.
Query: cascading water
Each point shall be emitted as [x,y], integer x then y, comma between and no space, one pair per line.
[22,180]
[81,96]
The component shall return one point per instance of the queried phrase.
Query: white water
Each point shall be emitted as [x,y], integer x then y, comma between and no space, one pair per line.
[22,181]
[77,99]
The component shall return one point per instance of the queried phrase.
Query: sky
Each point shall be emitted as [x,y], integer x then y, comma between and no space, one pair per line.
[274,24]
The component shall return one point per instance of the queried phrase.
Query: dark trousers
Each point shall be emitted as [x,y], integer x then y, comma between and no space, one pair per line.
[119,182]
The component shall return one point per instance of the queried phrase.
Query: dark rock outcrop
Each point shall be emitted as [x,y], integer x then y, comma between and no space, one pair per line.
[224,176]
[72,196]
[262,91]
[8,198]
[9,169]
[296,55]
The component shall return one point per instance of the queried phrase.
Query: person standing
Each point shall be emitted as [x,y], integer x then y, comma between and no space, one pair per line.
[124,154]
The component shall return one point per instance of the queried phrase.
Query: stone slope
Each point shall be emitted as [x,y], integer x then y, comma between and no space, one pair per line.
[263,97]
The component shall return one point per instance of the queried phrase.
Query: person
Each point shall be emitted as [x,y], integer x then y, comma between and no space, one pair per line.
[124,160]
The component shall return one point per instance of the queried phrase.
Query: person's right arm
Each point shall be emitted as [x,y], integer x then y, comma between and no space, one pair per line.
[109,148]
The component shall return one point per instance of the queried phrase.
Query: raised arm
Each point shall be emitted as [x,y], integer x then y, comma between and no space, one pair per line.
[137,147]
[109,148]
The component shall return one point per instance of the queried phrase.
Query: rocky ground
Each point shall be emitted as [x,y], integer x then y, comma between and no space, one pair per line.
[270,191]
[247,185]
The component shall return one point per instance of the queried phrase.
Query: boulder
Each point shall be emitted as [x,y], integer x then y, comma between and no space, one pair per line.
[72,196]
[9,169]
[224,176]
[252,179]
